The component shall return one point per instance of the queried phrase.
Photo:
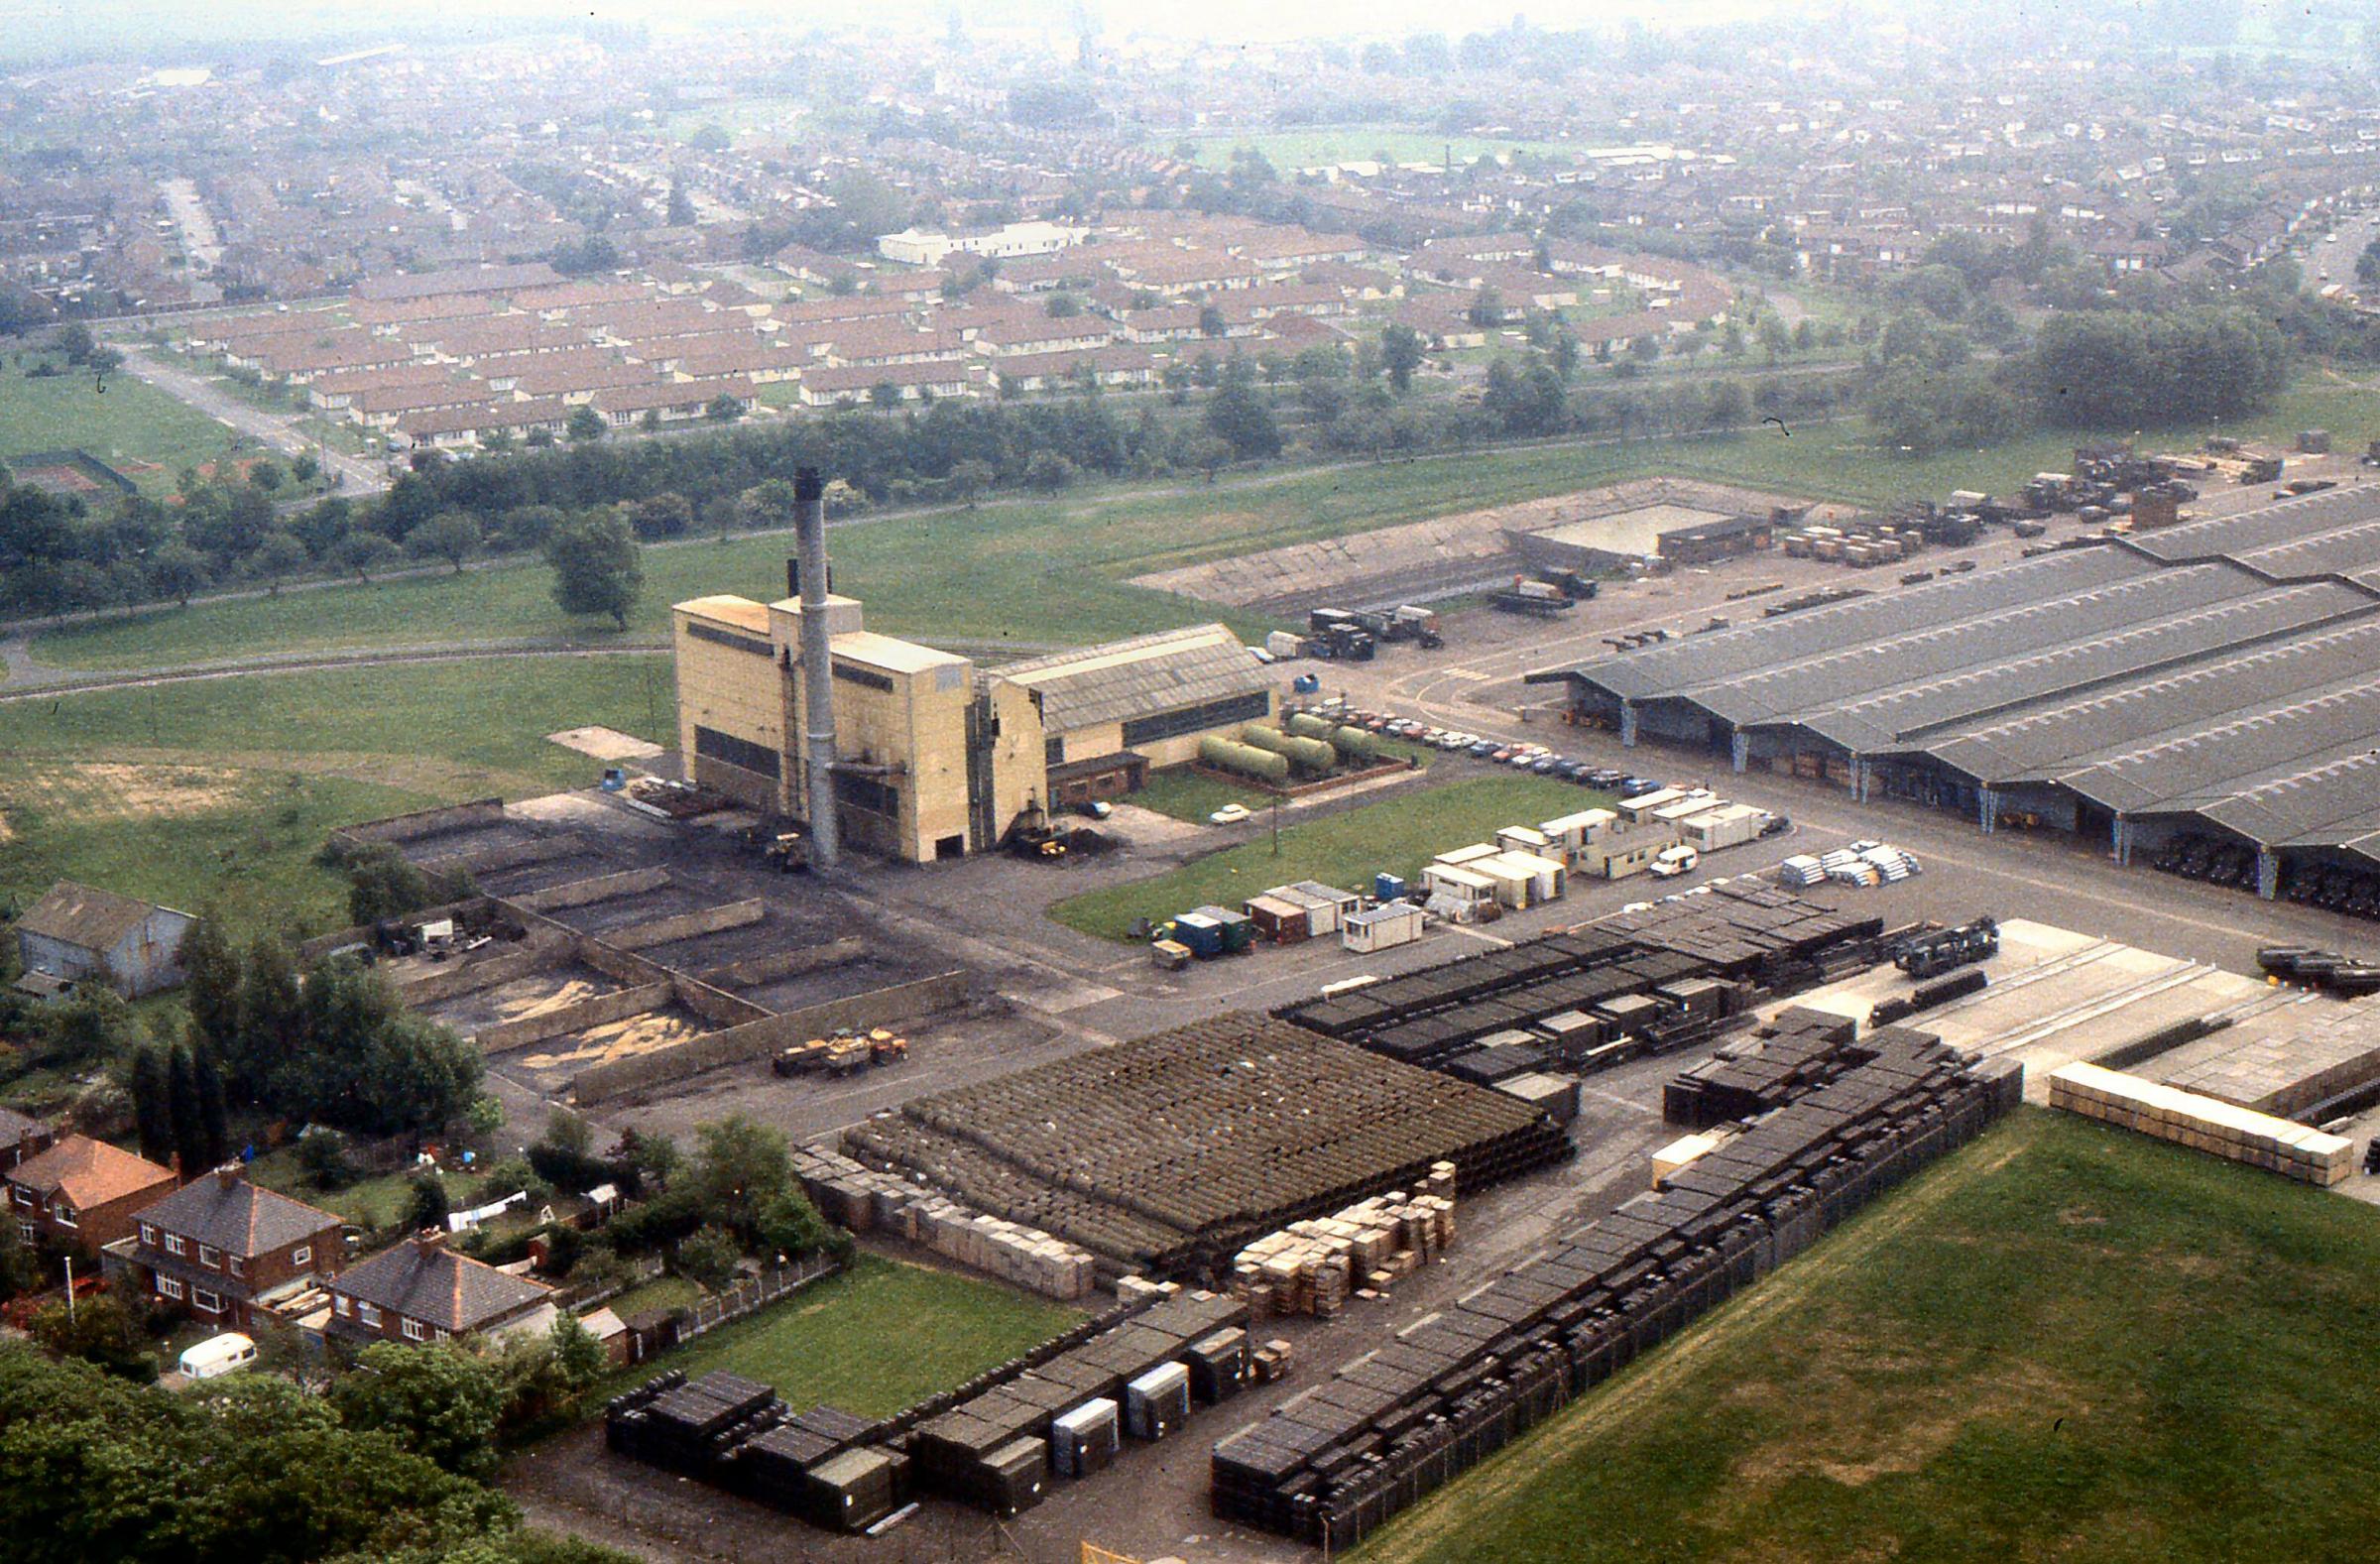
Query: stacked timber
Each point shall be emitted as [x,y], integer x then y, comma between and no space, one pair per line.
[2204,1124]
[863,1200]
[1312,1266]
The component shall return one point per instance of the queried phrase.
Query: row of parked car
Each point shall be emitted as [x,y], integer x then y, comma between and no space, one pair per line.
[1534,757]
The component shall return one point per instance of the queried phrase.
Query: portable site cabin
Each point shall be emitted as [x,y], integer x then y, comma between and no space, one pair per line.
[1686,808]
[1388,924]
[1521,839]
[1723,826]
[1279,919]
[1617,857]
[1333,905]
[1566,834]
[1640,808]
[1549,877]
[1463,856]
[1462,887]
[1515,886]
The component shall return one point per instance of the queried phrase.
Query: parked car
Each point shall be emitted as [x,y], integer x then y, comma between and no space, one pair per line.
[1605,777]
[1484,749]
[1229,814]
[1636,786]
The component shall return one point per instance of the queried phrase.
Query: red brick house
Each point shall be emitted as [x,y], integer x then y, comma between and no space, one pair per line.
[228,1250]
[420,1290]
[20,1136]
[81,1193]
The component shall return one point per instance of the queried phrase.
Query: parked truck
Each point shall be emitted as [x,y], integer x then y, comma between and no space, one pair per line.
[1541,599]
[1933,951]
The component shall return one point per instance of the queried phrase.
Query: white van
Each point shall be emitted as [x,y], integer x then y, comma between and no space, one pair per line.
[1676,861]
[216,1356]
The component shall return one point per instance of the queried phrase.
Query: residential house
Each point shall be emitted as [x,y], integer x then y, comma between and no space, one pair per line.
[420,1290]
[848,383]
[81,1193]
[675,402]
[22,1136]
[228,1248]
[77,931]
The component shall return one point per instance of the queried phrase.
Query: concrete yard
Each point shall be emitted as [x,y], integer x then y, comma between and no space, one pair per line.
[564,984]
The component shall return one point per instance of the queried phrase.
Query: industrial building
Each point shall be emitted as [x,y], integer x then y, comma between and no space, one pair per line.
[932,756]
[2217,681]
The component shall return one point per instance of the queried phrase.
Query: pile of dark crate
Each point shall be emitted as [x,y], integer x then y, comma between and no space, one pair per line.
[1168,1153]
[1655,980]
[1332,1465]
[985,1443]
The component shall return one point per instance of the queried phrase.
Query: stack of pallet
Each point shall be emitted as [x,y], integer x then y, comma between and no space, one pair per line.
[2202,1124]
[861,1199]
[1311,1267]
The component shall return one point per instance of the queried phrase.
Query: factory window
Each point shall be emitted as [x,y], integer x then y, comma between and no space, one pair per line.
[1053,750]
[727,638]
[950,847]
[1197,719]
[866,792]
[859,676]
[742,754]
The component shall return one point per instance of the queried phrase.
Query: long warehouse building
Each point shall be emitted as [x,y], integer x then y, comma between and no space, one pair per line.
[2217,678]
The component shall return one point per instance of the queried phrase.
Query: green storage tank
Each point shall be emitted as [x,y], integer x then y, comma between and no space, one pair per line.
[1245,759]
[1307,754]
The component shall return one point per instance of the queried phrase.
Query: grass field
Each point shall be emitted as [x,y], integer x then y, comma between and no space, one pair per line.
[879,1337]
[131,426]
[2065,1342]
[1052,570]
[223,790]
[1396,835]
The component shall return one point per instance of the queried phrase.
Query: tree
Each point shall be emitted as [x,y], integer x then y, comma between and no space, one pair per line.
[1211,323]
[740,1165]
[1048,472]
[584,425]
[426,1204]
[681,205]
[1063,307]
[450,536]
[214,1120]
[969,479]
[2127,368]
[267,476]
[662,515]
[1204,452]
[151,1109]
[280,556]
[365,553]
[189,1133]
[100,1331]
[306,467]
[709,1257]
[75,340]
[2367,265]
[273,1029]
[1239,415]
[178,570]
[211,979]
[1487,309]
[884,395]
[723,408]
[1400,355]
[596,569]
[437,1401]
[577,1355]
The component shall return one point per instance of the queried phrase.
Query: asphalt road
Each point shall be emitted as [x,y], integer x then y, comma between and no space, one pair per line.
[276,429]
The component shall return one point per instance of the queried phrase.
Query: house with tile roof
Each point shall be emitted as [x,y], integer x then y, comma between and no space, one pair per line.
[420,1290]
[226,1249]
[81,1193]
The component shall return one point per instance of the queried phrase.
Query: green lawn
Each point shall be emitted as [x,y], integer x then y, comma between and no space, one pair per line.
[2065,1342]
[1396,835]
[662,1292]
[134,427]
[879,1337]
[1192,796]
[223,790]
[1052,570]
[373,1203]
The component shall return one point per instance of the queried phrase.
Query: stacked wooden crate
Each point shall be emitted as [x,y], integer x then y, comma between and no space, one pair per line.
[1312,1266]
[863,1199]
[2204,1124]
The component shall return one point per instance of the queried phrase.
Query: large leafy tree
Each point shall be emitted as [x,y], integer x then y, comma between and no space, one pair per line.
[596,568]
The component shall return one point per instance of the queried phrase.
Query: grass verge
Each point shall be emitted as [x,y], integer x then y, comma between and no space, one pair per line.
[1396,835]
[875,1339]
[222,790]
[2066,1340]
[141,431]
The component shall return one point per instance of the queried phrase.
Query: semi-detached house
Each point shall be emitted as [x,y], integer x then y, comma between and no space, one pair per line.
[420,1290]
[226,1249]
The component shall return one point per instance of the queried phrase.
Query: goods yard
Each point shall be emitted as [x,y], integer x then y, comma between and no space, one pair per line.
[2201,696]
[597,963]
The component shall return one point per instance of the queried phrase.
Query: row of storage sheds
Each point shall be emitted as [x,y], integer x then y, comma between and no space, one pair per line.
[1332,1464]
[820,1465]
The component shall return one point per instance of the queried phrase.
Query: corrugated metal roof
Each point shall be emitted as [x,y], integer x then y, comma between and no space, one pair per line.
[83,917]
[1140,678]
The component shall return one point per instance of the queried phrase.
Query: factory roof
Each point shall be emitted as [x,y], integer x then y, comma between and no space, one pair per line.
[888,651]
[1140,678]
[2228,669]
[727,609]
